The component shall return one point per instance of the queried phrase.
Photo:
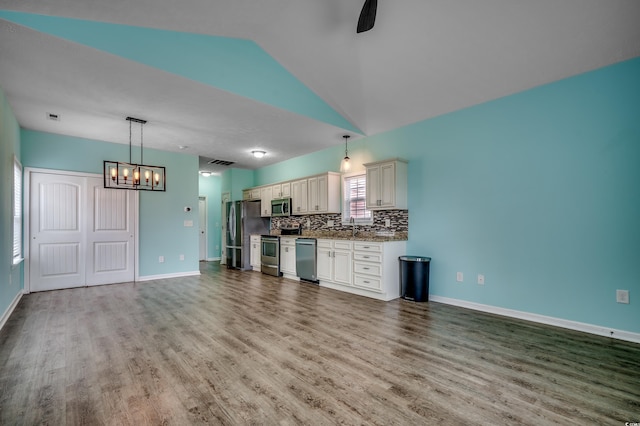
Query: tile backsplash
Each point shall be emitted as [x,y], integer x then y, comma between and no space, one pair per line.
[318,222]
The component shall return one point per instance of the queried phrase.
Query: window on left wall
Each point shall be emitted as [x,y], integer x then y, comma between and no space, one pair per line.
[17,211]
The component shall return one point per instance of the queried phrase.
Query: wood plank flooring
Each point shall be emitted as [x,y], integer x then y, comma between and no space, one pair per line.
[232,347]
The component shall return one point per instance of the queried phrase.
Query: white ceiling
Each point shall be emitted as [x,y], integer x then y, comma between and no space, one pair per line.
[423,58]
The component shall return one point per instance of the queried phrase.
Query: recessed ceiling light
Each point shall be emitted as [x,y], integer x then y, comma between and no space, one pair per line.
[259,154]
[183,146]
[206,174]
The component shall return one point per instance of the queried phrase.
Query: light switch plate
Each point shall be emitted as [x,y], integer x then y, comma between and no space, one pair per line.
[459,277]
[188,223]
[480,279]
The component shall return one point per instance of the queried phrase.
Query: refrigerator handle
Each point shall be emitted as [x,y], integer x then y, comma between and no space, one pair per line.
[232,222]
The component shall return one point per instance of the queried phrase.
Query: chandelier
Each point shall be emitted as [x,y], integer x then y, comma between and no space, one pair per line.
[137,177]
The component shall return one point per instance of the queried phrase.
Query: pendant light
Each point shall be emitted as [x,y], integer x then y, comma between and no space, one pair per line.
[345,166]
[137,177]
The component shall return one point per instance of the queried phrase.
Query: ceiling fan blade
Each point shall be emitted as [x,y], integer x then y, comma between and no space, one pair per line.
[367,16]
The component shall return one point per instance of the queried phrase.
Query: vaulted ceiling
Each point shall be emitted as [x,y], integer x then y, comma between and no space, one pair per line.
[219,78]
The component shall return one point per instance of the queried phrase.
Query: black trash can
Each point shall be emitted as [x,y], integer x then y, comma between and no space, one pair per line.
[414,278]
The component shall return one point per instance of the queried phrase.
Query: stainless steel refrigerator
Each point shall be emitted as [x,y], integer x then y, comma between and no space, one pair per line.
[243,219]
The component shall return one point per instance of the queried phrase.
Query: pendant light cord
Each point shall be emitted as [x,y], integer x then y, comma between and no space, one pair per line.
[129,141]
[141,159]
[346,145]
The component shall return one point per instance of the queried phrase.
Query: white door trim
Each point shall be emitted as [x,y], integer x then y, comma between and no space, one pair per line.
[26,219]
[224,198]
[203,227]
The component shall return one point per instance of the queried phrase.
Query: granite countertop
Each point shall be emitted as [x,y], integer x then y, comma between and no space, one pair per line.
[347,235]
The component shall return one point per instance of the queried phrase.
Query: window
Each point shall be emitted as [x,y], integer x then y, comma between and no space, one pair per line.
[354,199]
[17,211]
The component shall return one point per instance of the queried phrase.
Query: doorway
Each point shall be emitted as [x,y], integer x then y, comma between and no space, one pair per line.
[78,233]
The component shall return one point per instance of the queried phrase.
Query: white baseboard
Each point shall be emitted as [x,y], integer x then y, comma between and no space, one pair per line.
[7,313]
[558,322]
[213,259]
[165,276]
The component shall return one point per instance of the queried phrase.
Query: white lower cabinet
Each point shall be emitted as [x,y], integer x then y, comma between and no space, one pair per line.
[334,261]
[288,257]
[255,260]
[366,268]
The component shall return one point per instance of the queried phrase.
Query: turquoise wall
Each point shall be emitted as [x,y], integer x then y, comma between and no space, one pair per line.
[10,275]
[538,191]
[210,187]
[235,180]
[162,231]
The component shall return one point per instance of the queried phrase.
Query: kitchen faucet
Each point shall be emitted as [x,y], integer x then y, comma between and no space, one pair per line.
[354,227]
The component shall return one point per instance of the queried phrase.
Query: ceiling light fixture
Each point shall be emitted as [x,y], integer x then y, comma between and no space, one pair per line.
[259,154]
[137,177]
[345,166]
[206,174]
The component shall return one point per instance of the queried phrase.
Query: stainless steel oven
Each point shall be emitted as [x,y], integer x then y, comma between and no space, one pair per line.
[270,257]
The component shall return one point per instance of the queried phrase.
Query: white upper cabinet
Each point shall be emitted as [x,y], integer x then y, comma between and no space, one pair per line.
[281,190]
[324,193]
[387,185]
[314,194]
[286,189]
[251,194]
[265,201]
[299,196]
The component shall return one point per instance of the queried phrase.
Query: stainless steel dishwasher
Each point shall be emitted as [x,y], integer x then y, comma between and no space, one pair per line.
[306,262]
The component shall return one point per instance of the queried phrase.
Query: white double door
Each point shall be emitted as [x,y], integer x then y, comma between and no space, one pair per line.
[80,234]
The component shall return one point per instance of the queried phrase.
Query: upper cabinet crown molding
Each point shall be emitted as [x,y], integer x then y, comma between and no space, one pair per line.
[386,184]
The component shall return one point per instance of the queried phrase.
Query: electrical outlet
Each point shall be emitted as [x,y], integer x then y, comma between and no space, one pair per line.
[182,257]
[161,259]
[480,279]
[622,296]
[459,277]
[387,223]
[330,223]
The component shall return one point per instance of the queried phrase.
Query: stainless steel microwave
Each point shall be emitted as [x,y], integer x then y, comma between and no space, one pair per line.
[281,207]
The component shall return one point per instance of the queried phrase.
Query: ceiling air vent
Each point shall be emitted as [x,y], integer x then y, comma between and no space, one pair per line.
[221,162]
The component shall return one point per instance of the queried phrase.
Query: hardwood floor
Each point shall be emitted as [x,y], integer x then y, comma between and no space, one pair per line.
[232,347]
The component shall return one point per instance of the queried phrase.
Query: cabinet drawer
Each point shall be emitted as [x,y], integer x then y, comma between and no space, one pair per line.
[367,268]
[371,247]
[370,283]
[342,245]
[323,243]
[287,241]
[367,257]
